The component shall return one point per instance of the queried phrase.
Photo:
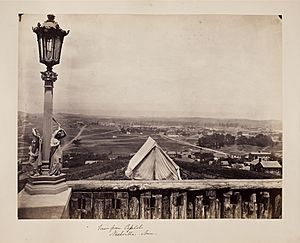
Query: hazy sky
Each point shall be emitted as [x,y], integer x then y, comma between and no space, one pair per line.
[220,66]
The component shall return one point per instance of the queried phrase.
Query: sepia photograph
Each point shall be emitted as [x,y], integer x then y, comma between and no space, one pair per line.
[124,116]
[150,121]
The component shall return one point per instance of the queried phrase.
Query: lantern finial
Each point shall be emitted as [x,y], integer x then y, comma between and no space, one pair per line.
[50,23]
[51,17]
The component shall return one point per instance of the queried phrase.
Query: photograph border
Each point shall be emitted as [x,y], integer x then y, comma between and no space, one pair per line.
[284,230]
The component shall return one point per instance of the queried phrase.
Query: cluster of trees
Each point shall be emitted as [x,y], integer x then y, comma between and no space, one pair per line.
[260,140]
[217,140]
[204,157]
[114,170]
[76,159]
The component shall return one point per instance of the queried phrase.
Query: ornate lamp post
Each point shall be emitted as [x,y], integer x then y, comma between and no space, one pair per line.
[50,39]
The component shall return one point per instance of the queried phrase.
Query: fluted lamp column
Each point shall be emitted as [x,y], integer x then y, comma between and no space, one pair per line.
[49,77]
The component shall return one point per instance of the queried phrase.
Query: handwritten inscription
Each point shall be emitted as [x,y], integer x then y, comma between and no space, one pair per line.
[125,230]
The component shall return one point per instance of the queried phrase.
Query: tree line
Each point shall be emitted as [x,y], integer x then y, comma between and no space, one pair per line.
[217,140]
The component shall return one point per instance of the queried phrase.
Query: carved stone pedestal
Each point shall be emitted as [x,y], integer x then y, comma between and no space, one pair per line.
[44,197]
[44,206]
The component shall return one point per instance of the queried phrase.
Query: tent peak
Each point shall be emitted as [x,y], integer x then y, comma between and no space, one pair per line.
[150,139]
[151,162]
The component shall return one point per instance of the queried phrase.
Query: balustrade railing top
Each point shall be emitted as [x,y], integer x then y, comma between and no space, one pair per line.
[176,185]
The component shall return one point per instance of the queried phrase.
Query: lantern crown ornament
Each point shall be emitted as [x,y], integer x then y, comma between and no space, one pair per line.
[50,39]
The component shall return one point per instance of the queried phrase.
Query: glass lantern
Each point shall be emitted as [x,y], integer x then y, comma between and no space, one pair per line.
[50,39]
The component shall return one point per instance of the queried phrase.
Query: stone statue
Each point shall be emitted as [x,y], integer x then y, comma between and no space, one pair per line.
[35,150]
[55,160]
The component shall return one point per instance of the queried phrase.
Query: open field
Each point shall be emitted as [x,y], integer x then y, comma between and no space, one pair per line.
[123,144]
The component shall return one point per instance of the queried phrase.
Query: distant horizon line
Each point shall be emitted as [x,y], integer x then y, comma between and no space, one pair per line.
[145,116]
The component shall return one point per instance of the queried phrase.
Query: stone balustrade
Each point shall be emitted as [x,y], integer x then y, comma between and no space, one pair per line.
[186,199]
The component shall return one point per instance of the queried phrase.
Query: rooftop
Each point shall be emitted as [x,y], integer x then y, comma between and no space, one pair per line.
[254,162]
[270,164]
[260,153]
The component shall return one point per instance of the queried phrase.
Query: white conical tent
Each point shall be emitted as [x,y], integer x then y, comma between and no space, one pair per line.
[152,163]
